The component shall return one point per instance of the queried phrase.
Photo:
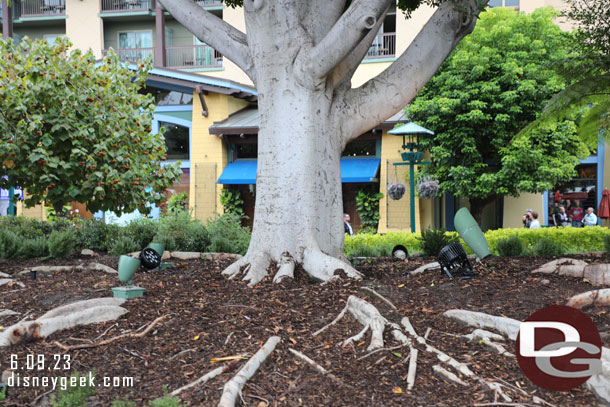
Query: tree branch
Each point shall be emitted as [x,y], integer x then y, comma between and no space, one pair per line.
[212,30]
[362,108]
[343,37]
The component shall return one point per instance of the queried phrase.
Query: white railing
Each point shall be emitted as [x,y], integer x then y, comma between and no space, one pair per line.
[132,54]
[192,56]
[383,46]
[39,8]
[127,5]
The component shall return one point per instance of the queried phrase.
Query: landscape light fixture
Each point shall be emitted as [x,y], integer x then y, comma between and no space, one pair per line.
[160,248]
[400,252]
[127,268]
[454,262]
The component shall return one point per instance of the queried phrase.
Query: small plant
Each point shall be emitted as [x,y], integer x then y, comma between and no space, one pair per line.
[9,244]
[607,242]
[3,394]
[433,240]
[231,202]
[75,396]
[396,191]
[227,235]
[548,247]
[123,245]
[37,247]
[142,231]
[94,234]
[62,244]
[367,205]
[123,403]
[510,247]
[166,400]
[179,231]
[177,203]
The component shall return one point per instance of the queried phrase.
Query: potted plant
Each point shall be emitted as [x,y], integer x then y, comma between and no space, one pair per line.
[427,188]
[396,190]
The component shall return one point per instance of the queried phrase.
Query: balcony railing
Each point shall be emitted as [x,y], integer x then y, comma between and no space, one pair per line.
[383,46]
[209,3]
[132,55]
[39,8]
[112,6]
[193,56]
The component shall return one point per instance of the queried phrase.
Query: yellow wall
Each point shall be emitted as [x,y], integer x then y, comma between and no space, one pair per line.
[84,26]
[514,209]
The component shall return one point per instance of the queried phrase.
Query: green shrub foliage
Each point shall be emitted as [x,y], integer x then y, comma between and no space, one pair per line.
[141,231]
[74,396]
[63,243]
[37,247]
[9,244]
[123,245]
[179,231]
[123,403]
[227,235]
[433,240]
[166,400]
[510,247]
[95,234]
[548,247]
[607,242]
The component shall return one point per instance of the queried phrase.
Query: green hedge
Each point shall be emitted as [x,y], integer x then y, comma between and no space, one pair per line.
[573,240]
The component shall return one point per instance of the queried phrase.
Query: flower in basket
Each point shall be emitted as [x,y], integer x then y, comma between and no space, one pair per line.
[396,191]
[427,188]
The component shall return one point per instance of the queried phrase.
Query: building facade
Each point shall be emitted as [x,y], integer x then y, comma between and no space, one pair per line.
[208,107]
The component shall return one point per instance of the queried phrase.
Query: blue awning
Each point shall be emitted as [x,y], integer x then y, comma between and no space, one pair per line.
[352,170]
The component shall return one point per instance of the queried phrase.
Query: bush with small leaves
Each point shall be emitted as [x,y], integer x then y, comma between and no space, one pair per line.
[31,248]
[75,396]
[63,243]
[187,234]
[9,244]
[94,234]
[123,245]
[510,247]
[166,400]
[607,242]
[433,240]
[142,231]
[547,247]
[227,235]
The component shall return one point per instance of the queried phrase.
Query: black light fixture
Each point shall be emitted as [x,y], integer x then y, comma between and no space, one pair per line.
[400,252]
[149,258]
[454,262]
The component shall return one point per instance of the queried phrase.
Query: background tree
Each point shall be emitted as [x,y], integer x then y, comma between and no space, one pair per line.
[301,56]
[74,131]
[495,82]
[588,72]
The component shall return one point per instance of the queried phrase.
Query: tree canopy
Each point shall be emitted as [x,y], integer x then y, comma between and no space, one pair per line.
[495,82]
[71,130]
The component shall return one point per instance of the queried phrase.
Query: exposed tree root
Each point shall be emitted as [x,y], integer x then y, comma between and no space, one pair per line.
[10,281]
[597,274]
[286,268]
[110,340]
[381,297]
[599,298]
[233,387]
[317,367]
[412,367]
[488,338]
[205,378]
[257,269]
[322,267]
[506,326]
[7,312]
[447,375]
[67,316]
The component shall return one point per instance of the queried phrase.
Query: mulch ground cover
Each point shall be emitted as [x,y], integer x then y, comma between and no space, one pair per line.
[211,317]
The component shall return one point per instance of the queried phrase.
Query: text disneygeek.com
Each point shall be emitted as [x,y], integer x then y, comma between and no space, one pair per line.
[63,383]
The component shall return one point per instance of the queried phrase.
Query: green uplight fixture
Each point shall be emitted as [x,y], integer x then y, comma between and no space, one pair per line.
[127,268]
[410,133]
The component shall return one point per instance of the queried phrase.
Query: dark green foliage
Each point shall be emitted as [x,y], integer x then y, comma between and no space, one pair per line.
[37,247]
[510,247]
[178,202]
[141,231]
[231,202]
[123,245]
[547,247]
[74,396]
[607,242]
[9,244]
[187,234]
[367,205]
[123,403]
[433,240]
[63,243]
[227,235]
[166,400]
[377,250]
[94,234]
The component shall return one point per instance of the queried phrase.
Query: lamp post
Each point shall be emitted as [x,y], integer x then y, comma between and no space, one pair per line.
[411,157]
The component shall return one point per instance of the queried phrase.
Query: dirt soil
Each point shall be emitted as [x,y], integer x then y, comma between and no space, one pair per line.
[211,317]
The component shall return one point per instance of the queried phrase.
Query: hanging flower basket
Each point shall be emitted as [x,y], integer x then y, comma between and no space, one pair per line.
[427,188]
[396,191]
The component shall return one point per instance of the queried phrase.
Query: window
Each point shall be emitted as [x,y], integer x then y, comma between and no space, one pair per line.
[164,97]
[135,45]
[504,3]
[361,148]
[176,141]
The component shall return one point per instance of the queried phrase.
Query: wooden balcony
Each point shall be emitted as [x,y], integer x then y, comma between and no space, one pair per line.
[127,6]
[383,46]
[39,8]
[133,55]
[193,56]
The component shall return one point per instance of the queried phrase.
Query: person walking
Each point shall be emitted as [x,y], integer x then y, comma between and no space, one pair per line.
[346,226]
[590,218]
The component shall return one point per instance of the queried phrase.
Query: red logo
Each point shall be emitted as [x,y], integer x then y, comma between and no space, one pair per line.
[559,348]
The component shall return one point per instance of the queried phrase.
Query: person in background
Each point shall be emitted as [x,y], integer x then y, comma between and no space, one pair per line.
[346,226]
[590,218]
[561,217]
[527,219]
[576,213]
[535,224]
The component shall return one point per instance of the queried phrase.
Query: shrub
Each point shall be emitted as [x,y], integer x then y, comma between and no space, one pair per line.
[433,240]
[25,227]
[9,244]
[94,234]
[37,247]
[62,243]
[607,242]
[367,205]
[548,247]
[184,232]
[354,244]
[377,250]
[178,202]
[231,202]
[123,403]
[74,396]
[227,235]
[510,247]
[166,400]
[141,231]
[123,245]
